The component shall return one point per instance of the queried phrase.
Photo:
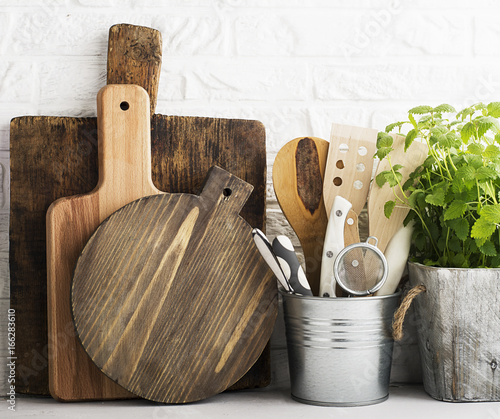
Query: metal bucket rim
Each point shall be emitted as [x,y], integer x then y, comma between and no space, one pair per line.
[436,268]
[287,294]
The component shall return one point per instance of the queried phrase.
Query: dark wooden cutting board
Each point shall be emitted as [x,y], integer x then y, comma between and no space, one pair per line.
[171,298]
[54,157]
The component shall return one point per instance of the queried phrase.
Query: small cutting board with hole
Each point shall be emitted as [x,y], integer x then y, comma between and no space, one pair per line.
[170,296]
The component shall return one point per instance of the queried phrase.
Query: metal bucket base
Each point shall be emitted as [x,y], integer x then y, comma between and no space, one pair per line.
[340,404]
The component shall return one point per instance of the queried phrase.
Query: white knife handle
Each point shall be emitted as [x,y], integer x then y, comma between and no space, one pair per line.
[334,243]
[396,255]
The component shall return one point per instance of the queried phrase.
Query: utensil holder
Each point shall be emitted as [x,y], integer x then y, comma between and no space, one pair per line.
[339,349]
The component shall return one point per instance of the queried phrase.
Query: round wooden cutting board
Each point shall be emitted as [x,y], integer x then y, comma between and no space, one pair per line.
[170,297]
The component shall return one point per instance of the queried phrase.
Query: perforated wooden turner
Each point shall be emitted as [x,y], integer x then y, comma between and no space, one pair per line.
[347,176]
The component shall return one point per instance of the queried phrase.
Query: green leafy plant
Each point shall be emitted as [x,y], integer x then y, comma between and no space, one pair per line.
[454,196]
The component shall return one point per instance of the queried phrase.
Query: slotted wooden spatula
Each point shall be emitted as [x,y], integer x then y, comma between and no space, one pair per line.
[171,297]
[348,171]
[380,226]
[298,183]
[347,175]
[124,175]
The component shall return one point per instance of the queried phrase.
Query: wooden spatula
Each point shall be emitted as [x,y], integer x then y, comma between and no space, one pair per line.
[298,183]
[124,175]
[348,172]
[380,226]
[347,175]
[171,297]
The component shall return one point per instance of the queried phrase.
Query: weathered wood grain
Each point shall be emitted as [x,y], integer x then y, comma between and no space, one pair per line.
[298,183]
[138,60]
[170,296]
[458,324]
[53,157]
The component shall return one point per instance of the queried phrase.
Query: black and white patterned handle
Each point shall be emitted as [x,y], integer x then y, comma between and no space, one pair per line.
[266,250]
[290,265]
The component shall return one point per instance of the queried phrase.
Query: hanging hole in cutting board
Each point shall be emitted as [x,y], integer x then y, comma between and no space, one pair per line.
[360,167]
[337,181]
[340,164]
[124,106]
[362,151]
[227,193]
[343,148]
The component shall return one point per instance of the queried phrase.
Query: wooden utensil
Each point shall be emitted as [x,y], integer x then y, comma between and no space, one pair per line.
[348,172]
[124,175]
[347,175]
[170,296]
[380,226]
[62,156]
[298,183]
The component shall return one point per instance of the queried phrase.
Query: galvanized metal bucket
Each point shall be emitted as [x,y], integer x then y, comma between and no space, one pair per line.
[339,349]
[458,324]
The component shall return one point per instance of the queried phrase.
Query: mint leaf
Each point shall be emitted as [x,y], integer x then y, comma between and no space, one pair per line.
[384,140]
[383,152]
[390,127]
[491,213]
[482,229]
[410,137]
[380,179]
[460,226]
[388,207]
[468,131]
[486,173]
[420,110]
[488,249]
[491,152]
[456,209]
[444,108]
[486,123]
[494,109]
[412,120]
[436,198]
[475,148]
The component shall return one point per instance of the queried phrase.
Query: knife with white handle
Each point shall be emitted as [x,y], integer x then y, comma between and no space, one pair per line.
[290,265]
[396,255]
[334,243]
[266,250]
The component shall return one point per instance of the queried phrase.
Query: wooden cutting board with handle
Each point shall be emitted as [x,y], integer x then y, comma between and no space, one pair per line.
[170,296]
[62,156]
[124,175]
[298,183]
[53,157]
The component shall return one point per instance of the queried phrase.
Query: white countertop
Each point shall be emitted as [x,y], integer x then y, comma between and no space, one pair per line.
[405,402]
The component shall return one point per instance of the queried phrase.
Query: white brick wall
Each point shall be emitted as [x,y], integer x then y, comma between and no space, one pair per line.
[295,65]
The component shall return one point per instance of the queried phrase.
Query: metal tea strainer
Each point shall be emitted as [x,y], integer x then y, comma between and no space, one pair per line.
[361,268]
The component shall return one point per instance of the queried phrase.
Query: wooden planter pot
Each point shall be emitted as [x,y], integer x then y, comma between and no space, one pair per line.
[459,332]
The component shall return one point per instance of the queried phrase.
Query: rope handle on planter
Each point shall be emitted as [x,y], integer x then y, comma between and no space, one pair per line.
[400,314]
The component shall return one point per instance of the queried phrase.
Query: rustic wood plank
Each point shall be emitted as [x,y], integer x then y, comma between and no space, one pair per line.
[170,296]
[53,157]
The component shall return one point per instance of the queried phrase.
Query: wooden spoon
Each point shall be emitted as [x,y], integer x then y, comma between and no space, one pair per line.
[298,183]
